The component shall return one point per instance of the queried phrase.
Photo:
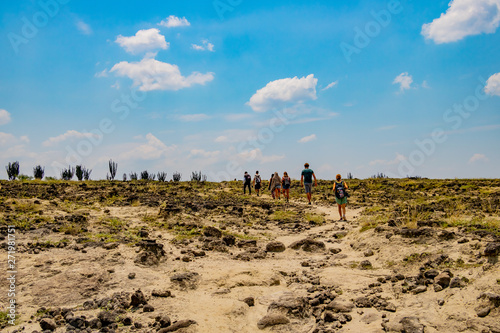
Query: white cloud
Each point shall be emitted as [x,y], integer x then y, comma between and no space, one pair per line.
[194,117]
[399,158]
[256,155]
[103,73]
[4,117]
[144,40]
[173,21]
[279,92]
[464,18]
[493,85]
[83,27]
[309,138]
[478,158]
[206,46]
[152,149]
[69,135]
[425,85]
[6,138]
[404,80]
[331,85]
[150,74]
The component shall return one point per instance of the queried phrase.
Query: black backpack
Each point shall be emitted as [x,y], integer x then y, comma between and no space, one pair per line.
[340,191]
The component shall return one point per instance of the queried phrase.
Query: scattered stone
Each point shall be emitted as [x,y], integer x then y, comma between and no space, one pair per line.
[110,246]
[412,325]
[164,321]
[457,282]
[137,298]
[151,253]
[419,289]
[483,311]
[210,231]
[250,301]
[161,293]
[289,305]
[443,279]
[48,324]
[492,249]
[275,247]
[272,320]
[95,323]
[365,264]
[131,276]
[127,321]
[308,245]
[335,250]
[337,306]
[106,318]
[431,274]
[368,253]
[188,280]
[177,325]
[390,307]
[247,243]
[440,302]
[148,308]
[229,240]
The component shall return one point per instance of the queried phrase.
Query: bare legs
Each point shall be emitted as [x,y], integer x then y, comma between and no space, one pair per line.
[342,212]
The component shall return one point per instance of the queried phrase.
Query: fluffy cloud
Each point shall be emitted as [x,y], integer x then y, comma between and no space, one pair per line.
[69,135]
[279,92]
[493,85]
[144,40]
[478,158]
[206,46]
[309,138]
[152,149]
[331,85]
[256,155]
[173,21]
[4,117]
[464,18]
[83,27]
[150,74]
[404,80]
[194,117]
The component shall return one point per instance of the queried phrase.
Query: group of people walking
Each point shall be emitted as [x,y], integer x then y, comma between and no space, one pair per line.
[281,185]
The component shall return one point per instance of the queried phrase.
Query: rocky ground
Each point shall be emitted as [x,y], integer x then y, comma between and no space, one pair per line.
[414,256]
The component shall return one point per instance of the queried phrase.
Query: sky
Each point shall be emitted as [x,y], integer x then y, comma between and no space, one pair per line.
[404,88]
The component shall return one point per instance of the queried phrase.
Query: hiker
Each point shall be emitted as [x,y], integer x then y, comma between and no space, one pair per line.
[286,181]
[269,187]
[306,180]
[256,182]
[276,185]
[339,188]
[247,180]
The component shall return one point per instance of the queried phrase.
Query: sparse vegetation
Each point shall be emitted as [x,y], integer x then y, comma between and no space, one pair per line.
[38,172]
[24,177]
[82,173]
[162,176]
[176,176]
[12,170]
[67,174]
[133,176]
[145,175]
[198,177]
[113,167]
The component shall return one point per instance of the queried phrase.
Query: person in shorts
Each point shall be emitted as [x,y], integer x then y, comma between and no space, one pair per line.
[276,185]
[257,182]
[339,188]
[286,181]
[306,181]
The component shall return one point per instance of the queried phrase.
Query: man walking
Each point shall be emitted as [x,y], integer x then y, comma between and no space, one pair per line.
[306,180]
[256,182]
[247,181]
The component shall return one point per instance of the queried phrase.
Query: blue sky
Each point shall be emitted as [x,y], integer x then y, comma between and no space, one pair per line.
[400,87]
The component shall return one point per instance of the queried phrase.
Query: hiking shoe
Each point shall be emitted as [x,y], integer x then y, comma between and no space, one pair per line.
[345,219]
[309,202]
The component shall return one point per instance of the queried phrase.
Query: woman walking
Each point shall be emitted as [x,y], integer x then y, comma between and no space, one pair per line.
[286,181]
[276,185]
[339,188]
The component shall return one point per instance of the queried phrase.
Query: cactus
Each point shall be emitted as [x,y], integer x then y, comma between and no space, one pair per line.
[12,170]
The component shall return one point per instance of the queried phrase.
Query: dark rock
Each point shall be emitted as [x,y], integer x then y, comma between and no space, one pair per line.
[291,306]
[412,325]
[419,289]
[151,253]
[457,282]
[250,301]
[275,247]
[131,276]
[443,279]
[247,243]
[188,280]
[164,321]
[335,250]
[95,323]
[210,231]
[415,233]
[143,233]
[363,302]
[492,249]
[483,311]
[148,308]
[177,325]
[89,305]
[446,235]
[106,317]
[368,253]
[365,264]
[127,321]
[431,274]
[48,324]
[77,322]
[440,302]
[343,307]
[390,307]
[161,293]
[137,299]
[329,317]
[229,240]
[272,320]
[308,245]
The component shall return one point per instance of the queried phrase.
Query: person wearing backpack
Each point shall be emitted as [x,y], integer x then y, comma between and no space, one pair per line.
[257,182]
[306,181]
[340,189]
[276,185]
[247,181]
[286,181]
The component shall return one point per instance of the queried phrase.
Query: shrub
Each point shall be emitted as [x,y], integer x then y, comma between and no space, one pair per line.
[145,175]
[38,172]
[350,176]
[24,177]
[82,173]
[67,174]
[86,173]
[113,166]
[12,170]
[198,177]
[124,177]
[379,175]
[162,176]
[177,176]
[133,176]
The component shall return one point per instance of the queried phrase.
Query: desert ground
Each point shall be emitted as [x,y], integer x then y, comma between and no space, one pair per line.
[415,255]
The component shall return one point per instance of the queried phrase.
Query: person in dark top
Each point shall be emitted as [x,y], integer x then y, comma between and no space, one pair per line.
[247,181]
[339,188]
[286,181]
[257,182]
[306,180]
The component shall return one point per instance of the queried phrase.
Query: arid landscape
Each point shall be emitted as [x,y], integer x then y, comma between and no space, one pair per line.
[416,255]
